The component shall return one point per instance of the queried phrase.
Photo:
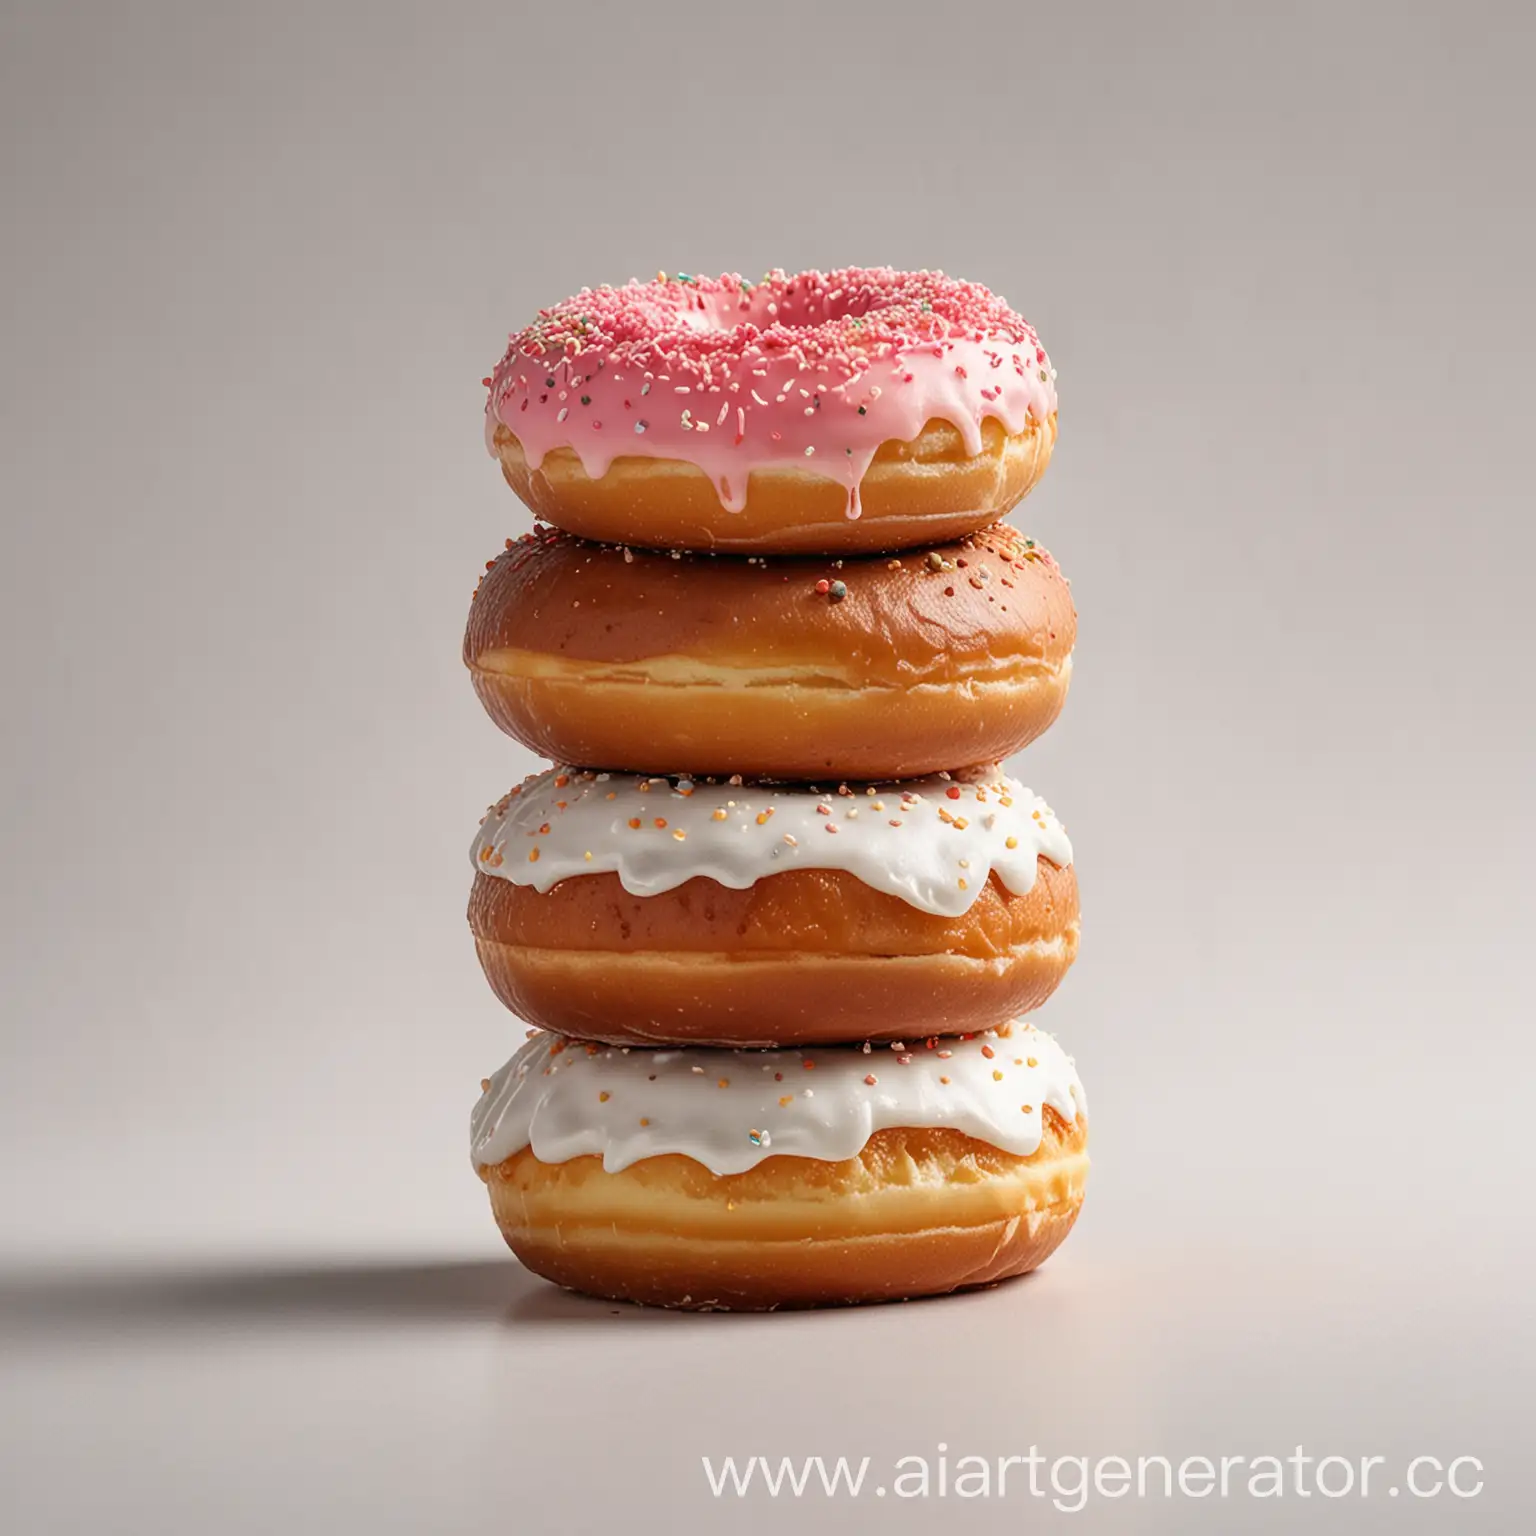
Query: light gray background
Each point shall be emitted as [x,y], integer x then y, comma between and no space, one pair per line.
[256,260]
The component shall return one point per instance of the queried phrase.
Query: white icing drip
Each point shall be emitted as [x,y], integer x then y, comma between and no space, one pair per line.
[731,1109]
[933,842]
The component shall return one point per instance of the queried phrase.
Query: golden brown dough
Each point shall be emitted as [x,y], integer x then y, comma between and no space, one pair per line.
[914,492]
[803,957]
[916,1213]
[888,667]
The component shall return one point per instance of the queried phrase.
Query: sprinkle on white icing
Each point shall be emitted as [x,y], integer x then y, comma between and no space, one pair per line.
[731,1109]
[933,841]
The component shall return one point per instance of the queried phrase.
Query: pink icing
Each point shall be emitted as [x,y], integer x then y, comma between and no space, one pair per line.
[813,370]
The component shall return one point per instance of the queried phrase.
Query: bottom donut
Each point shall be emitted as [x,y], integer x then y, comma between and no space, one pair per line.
[751,1180]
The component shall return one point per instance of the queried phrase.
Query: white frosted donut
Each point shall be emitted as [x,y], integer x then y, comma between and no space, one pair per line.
[697,1177]
[933,842]
[649,910]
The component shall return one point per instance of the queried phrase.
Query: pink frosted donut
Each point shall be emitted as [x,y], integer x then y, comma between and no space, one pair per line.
[830,413]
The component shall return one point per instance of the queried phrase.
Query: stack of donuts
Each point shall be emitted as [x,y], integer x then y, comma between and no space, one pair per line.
[775,913]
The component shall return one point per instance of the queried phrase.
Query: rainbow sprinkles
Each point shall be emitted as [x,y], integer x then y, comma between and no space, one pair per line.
[809,372]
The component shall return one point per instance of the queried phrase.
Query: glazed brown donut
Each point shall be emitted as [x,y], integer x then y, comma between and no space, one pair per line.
[795,668]
[807,956]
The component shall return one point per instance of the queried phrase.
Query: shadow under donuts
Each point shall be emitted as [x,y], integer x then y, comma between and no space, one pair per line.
[49,1305]
[46,1302]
